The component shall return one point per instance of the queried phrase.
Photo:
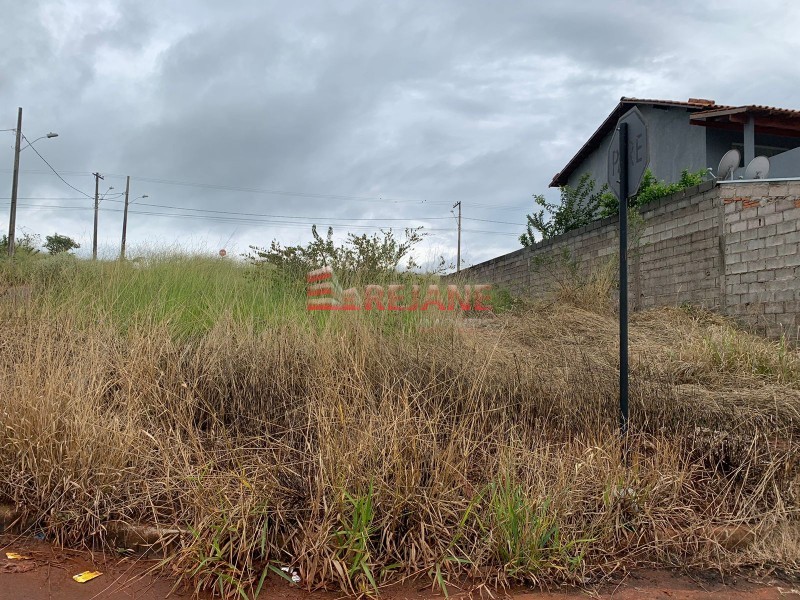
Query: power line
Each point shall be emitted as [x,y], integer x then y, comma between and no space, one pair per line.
[227,212]
[51,207]
[244,214]
[279,192]
[287,223]
[348,219]
[117,195]
[214,186]
[53,170]
[222,219]
[46,172]
[492,221]
[222,187]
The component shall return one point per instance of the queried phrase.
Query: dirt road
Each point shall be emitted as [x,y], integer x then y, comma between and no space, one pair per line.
[47,575]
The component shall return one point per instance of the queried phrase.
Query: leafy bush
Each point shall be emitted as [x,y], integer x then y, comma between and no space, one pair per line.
[581,205]
[650,190]
[364,255]
[578,207]
[25,244]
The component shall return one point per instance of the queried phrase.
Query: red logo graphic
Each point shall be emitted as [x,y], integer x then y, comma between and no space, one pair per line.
[325,293]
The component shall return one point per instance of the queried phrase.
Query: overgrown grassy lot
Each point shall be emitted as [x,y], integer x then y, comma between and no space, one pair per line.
[367,448]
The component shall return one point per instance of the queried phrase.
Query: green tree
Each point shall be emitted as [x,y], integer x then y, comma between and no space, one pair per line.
[651,189]
[578,206]
[364,255]
[57,243]
[27,243]
[581,205]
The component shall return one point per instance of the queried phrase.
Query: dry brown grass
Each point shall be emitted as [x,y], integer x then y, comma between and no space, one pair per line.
[363,457]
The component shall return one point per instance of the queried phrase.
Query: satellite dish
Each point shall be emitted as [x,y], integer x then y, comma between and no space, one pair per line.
[758,168]
[728,164]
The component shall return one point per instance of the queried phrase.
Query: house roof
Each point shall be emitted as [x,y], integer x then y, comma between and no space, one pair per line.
[767,119]
[625,103]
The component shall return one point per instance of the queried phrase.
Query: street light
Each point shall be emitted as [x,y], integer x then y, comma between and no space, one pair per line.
[12,219]
[48,136]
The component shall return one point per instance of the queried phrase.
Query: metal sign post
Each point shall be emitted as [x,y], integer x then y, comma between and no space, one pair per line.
[637,149]
[623,278]
[628,156]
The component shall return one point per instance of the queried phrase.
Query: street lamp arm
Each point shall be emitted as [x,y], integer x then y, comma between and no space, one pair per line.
[48,136]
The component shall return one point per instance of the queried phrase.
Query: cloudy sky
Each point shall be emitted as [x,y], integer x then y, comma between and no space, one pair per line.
[356,114]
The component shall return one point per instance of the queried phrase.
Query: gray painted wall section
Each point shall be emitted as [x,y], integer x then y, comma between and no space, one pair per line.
[596,164]
[675,145]
[749,140]
[786,164]
[718,142]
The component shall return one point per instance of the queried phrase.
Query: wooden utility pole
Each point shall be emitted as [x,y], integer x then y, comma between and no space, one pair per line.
[12,219]
[458,251]
[97,178]
[125,218]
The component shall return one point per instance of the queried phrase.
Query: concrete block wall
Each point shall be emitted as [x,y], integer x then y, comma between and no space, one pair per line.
[535,271]
[762,259]
[678,253]
[731,247]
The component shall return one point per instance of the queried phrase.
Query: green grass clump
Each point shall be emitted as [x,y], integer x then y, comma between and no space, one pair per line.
[191,294]
[364,448]
[188,293]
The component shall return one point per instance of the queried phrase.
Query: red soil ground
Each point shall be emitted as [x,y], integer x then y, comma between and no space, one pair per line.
[47,575]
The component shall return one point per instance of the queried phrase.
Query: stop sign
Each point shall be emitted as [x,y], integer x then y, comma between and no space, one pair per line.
[638,152]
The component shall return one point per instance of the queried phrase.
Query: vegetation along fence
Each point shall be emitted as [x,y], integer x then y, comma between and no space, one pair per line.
[733,247]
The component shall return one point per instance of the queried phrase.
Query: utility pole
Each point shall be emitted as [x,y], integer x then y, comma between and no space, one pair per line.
[12,219]
[458,251]
[125,218]
[97,178]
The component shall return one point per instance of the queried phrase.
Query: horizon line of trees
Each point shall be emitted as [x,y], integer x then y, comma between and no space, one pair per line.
[31,243]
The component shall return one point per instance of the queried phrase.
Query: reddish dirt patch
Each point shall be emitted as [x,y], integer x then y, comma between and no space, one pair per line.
[48,575]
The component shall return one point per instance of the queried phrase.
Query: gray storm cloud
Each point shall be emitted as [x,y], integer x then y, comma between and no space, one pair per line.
[389,111]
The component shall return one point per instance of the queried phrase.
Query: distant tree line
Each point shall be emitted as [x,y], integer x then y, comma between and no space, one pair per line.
[31,243]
